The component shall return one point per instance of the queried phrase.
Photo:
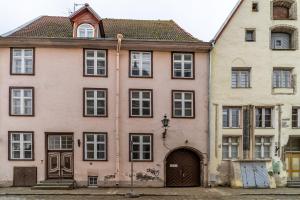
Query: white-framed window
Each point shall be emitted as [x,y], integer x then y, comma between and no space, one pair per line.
[282,78]
[296,117]
[22,61]
[140,147]
[240,78]
[95,146]
[263,147]
[141,64]
[93,181]
[60,142]
[95,102]
[86,31]
[21,101]
[21,146]
[231,117]
[183,104]
[95,62]
[230,147]
[140,103]
[264,117]
[183,64]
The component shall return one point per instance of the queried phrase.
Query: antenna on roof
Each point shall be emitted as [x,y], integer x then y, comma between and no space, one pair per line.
[79,4]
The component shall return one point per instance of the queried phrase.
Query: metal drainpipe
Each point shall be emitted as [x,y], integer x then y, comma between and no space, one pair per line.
[279,129]
[209,114]
[117,106]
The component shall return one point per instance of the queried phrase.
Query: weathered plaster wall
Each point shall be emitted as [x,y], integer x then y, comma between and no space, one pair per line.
[231,50]
[59,84]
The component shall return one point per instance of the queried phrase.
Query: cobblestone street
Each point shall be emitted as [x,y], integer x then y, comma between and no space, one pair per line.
[150,194]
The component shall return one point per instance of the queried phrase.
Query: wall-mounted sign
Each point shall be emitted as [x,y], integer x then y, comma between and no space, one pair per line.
[173,165]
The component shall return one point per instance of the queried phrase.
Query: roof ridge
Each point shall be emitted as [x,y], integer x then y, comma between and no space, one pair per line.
[164,20]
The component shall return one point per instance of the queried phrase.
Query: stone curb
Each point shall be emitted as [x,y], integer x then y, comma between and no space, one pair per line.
[271,194]
[83,194]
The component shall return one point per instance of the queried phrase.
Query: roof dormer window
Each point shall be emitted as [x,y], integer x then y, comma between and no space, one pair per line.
[85,31]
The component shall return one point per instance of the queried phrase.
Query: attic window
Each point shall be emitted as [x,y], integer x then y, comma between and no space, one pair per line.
[85,31]
[254,7]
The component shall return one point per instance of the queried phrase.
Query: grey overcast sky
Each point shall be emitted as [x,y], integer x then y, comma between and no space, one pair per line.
[201,18]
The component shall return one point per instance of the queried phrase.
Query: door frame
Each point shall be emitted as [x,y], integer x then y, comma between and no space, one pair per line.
[193,150]
[289,156]
[46,151]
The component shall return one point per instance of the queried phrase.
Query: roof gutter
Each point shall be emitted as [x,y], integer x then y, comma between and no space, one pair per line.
[127,44]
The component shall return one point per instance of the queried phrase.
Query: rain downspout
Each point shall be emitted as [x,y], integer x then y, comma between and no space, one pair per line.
[117,106]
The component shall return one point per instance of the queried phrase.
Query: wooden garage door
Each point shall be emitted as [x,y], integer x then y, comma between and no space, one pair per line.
[183,169]
[25,176]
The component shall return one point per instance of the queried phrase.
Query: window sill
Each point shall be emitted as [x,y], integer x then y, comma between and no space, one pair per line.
[13,115]
[95,76]
[22,74]
[174,117]
[282,91]
[292,49]
[183,78]
[262,128]
[86,160]
[241,88]
[133,116]
[140,161]
[96,116]
[20,159]
[230,128]
[144,77]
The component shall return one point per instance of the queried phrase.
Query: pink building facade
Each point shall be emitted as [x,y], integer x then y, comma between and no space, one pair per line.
[79,103]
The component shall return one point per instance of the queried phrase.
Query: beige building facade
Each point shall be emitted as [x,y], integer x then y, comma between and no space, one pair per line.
[254,107]
[79,103]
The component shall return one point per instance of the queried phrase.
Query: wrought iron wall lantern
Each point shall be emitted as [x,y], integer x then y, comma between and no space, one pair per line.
[165,122]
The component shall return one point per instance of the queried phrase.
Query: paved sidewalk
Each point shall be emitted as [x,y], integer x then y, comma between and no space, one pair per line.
[213,192]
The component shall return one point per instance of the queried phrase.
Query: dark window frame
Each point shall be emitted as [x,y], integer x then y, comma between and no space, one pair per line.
[11,62]
[130,67]
[84,63]
[130,99]
[253,32]
[10,101]
[32,146]
[106,103]
[193,66]
[129,146]
[193,107]
[106,146]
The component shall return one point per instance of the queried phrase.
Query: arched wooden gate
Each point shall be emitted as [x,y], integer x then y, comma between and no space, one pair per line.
[183,169]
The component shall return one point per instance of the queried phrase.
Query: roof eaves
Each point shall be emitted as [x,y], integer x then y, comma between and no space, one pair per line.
[227,21]
[21,27]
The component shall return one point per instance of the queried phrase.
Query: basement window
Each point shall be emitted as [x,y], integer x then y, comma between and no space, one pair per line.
[93,181]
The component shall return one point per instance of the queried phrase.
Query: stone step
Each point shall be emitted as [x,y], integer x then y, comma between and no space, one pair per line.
[58,181]
[52,187]
[293,186]
[55,184]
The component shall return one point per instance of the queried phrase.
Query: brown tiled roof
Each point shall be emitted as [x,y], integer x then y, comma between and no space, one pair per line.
[61,27]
